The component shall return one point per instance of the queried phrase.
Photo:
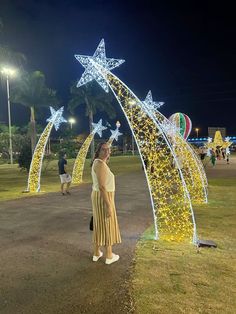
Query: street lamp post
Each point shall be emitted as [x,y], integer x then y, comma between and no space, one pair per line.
[9,72]
[197,130]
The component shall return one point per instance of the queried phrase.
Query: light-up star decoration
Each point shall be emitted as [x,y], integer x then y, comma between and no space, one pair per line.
[78,169]
[169,128]
[36,163]
[56,117]
[218,142]
[98,128]
[91,73]
[150,105]
[115,134]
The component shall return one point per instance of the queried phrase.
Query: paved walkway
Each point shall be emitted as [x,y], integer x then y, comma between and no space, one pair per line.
[45,252]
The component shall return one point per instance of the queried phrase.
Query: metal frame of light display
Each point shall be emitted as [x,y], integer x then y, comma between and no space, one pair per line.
[36,163]
[172,209]
[78,169]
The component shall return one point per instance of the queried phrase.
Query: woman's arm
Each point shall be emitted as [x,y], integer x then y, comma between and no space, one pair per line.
[101,172]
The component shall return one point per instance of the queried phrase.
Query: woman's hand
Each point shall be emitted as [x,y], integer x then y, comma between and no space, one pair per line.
[109,211]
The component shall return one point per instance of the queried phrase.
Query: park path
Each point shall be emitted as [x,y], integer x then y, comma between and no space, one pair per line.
[45,252]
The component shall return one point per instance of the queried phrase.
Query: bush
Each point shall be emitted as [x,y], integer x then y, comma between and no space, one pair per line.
[25,156]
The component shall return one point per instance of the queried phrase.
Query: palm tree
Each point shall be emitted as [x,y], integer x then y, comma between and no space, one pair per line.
[32,92]
[94,99]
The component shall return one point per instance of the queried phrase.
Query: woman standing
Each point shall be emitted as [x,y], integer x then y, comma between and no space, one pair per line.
[105,226]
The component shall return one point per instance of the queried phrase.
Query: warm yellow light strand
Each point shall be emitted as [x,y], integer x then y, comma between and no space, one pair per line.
[169,194]
[36,163]
[78,169]
[192,169]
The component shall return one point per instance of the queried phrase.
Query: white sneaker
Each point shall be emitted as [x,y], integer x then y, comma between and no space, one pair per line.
[96,258]
[114,259]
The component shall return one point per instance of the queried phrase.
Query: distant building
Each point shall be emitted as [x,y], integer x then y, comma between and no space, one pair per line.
[212,131]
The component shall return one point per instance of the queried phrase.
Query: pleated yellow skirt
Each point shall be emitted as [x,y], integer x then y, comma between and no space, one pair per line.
[105,229]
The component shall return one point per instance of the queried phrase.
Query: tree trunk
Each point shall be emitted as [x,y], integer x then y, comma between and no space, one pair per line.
[33,135]
[91,129]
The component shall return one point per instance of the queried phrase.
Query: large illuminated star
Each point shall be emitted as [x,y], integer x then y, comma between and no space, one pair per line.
[56,117]
[92,63]
[151,105]
[98,128]
[115,134]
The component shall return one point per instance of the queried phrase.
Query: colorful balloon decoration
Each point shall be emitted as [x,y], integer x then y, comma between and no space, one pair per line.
[182,122]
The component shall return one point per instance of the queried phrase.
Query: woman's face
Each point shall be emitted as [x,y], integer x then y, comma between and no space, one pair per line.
[105,152]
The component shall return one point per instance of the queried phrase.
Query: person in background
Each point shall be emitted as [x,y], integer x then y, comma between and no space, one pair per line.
[213,157]
[105,225]
[64,176]
[223,152]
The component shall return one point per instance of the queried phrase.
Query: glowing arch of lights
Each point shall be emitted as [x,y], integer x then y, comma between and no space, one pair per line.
[170,198]
[36,163]
[78,169]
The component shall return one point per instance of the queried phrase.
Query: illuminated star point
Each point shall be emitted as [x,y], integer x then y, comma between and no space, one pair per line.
[151,105]
[98,128]
[95,64]
[115,134]
[56,117]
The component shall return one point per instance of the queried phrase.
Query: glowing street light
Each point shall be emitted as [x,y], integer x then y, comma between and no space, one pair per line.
[71,121]
[118,124]
[197,130]
[8,72]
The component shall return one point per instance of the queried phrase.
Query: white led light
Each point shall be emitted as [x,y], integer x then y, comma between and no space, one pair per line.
[151,105]
[91,72]
[98,128]
[115,134]
[56,117]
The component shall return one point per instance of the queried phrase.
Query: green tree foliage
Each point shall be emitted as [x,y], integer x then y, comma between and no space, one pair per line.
[25,156]
[32,92]
[18,140]
[94,99]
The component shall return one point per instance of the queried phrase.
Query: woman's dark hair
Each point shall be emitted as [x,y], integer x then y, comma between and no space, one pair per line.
[61,154]
[97,152]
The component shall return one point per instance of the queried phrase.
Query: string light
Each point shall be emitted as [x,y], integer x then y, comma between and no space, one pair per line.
[78,169]
[191,167]
[36,163]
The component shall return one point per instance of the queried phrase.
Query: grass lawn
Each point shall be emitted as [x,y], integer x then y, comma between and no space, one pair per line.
[13,181]
[179,278]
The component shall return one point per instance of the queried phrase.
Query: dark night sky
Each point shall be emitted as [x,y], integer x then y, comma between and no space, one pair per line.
[186,54]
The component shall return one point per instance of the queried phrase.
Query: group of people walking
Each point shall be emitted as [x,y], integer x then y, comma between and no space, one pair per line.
[106,231]
[215,154]
[218,154]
